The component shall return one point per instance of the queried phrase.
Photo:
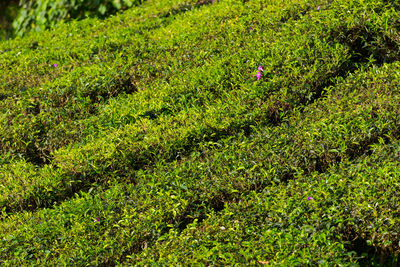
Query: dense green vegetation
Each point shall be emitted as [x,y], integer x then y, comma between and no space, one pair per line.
[44,14]
[18,17]
[204,132]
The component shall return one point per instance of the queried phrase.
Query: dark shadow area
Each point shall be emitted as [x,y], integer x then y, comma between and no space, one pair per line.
[8,11]
[369,255]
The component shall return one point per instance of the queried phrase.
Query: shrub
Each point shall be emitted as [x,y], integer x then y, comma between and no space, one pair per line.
[43,14]
[204,133]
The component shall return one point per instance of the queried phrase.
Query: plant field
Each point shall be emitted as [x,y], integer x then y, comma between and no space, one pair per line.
[199,132]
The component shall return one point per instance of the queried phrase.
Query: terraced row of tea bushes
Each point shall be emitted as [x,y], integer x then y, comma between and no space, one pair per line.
[202,113]
[229,188]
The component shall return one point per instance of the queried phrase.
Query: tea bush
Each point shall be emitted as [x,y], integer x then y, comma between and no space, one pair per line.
[204,133]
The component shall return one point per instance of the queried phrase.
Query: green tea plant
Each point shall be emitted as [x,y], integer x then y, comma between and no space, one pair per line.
[204,133]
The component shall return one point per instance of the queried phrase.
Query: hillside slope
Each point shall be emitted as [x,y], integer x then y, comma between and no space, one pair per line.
[204,132]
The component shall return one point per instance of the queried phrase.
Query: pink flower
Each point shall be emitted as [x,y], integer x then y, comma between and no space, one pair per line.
[55,65]
[97,219]
[309,198]
[318,8]
[258,75]
[260,68]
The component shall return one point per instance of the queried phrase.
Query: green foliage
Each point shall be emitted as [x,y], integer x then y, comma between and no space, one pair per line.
[146,138]
[8,12]
[43,14]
